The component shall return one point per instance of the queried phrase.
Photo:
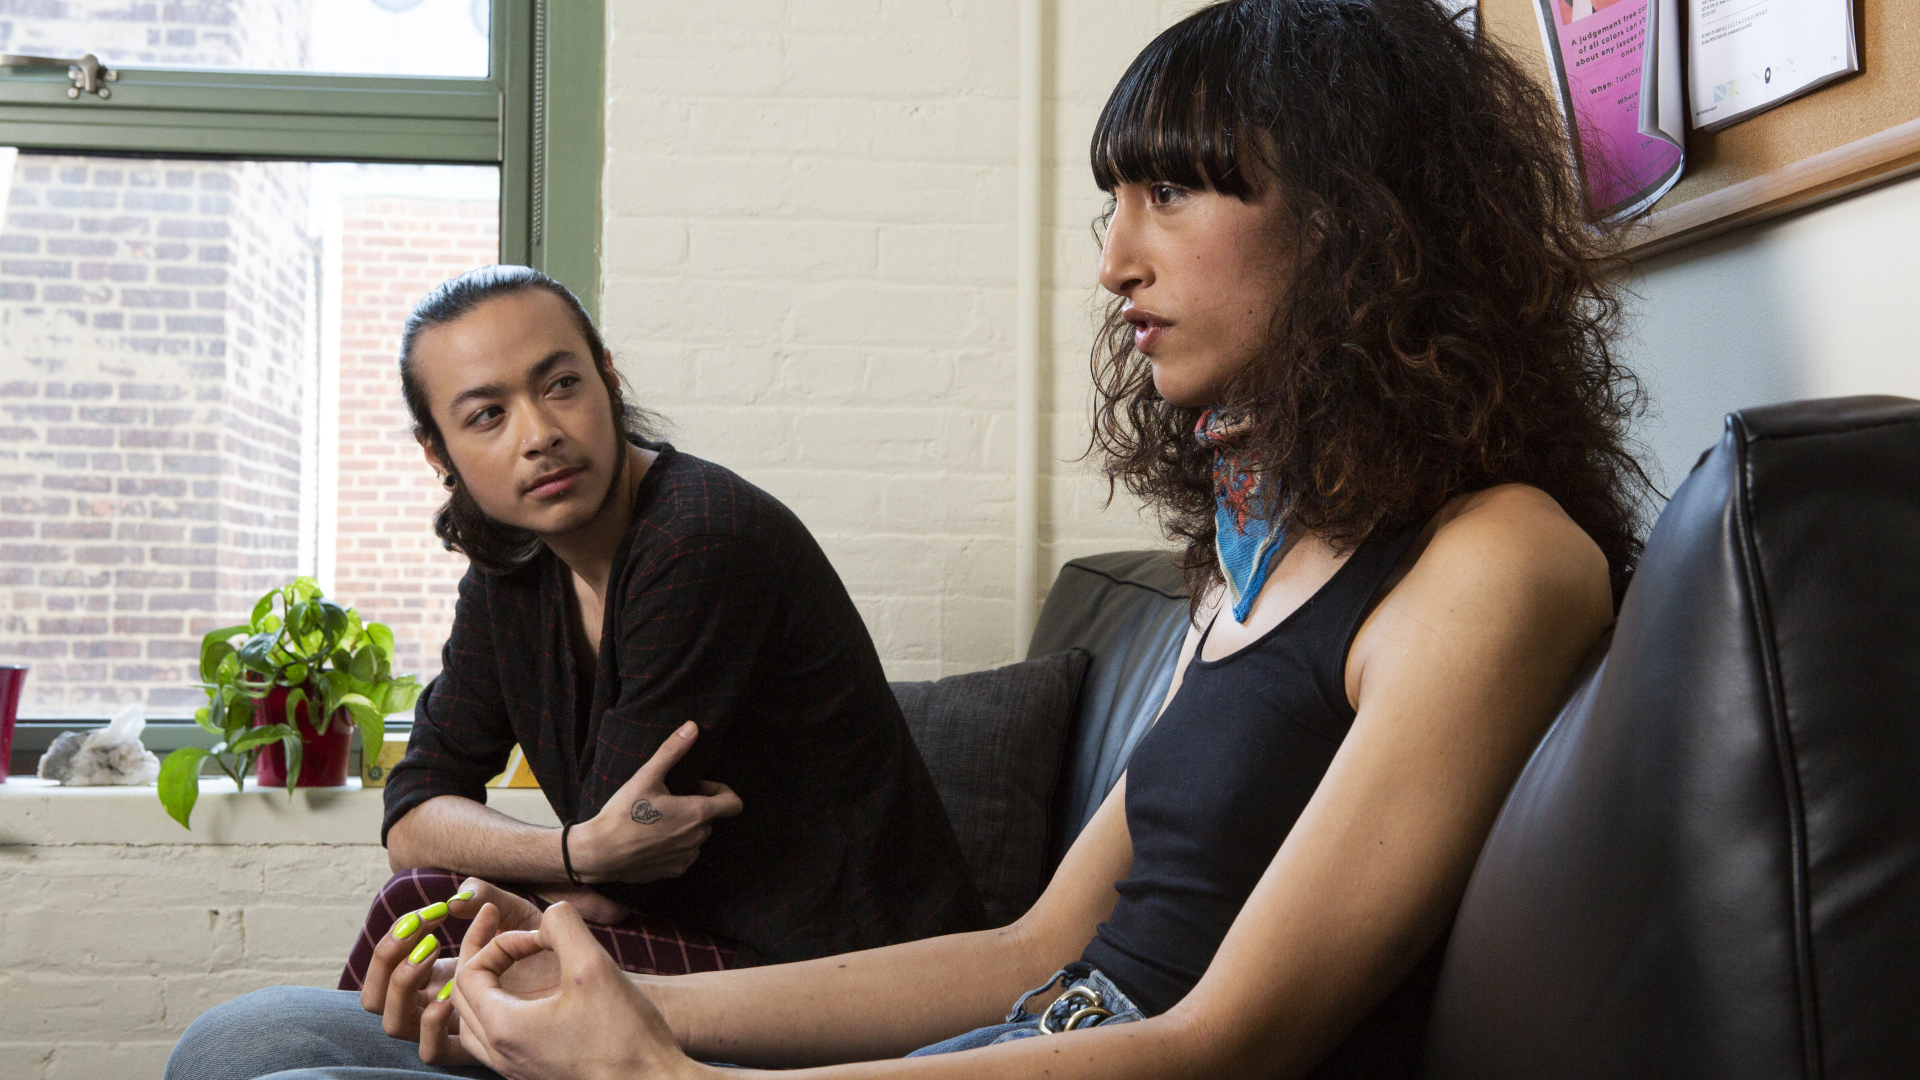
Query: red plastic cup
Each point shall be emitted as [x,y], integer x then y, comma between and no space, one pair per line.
[12,678]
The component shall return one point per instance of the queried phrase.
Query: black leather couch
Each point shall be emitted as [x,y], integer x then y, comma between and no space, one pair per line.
[1710,868]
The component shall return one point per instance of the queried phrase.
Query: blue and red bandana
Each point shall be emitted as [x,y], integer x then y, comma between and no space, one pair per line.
[1246,542]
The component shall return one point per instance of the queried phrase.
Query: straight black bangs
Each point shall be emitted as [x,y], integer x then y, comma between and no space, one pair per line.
[1176,117]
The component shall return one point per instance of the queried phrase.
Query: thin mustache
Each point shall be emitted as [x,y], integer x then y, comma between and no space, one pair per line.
[550,475]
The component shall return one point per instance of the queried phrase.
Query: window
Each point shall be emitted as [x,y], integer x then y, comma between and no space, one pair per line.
[202,278]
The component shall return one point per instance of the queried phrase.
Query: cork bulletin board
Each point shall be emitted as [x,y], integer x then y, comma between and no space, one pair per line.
[1846,136]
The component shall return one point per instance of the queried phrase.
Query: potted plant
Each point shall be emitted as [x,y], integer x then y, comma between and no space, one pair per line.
[299,656]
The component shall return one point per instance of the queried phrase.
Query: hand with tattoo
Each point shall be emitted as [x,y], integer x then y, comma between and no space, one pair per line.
[645,832]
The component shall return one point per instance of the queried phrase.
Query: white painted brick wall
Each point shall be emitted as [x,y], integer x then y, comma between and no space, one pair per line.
[1091,45]
[118,928]
[810,269]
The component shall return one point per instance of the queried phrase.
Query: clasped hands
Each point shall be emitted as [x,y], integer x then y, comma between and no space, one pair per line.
[642,833]
[531,1004]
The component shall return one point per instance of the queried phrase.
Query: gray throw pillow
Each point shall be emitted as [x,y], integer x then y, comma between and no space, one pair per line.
[993,741]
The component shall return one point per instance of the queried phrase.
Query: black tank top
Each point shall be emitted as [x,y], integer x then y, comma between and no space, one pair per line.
[1216,786]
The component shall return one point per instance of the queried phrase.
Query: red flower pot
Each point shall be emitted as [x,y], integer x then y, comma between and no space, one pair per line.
[323,758]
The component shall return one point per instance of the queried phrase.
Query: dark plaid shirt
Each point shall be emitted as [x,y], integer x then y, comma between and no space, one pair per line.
[722,609]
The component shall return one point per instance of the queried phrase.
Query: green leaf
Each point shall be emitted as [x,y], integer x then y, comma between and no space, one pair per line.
[358,705]
[382,638]
[272,624]
[180,783]
[216,646]
[293,748]
[365,666]
[323,681]
[400,695]
[261,736]
[297,673]
[211,654]
[342,660]
[261,610]
[296,698]
[239,713]
[256,654]
[204,717]
[373,730]
[306,588]
[337,622]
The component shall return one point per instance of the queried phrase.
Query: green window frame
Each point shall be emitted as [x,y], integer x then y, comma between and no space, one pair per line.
[537,116]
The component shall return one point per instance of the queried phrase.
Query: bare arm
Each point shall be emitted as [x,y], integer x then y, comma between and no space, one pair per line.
[466,837]
[1455,677]
[888,1001]
[824,1010]
[643,833]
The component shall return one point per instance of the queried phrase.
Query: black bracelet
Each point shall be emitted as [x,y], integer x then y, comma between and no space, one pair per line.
[566,857]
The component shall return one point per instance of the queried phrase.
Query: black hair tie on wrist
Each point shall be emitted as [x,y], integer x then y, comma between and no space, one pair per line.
[566,857]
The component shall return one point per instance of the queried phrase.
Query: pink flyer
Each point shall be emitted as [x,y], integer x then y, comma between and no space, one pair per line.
[1596,48]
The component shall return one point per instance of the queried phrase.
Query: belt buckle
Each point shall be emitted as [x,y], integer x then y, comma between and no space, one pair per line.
[1090,1009]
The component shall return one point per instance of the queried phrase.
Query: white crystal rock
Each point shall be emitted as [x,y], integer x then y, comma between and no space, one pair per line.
[112,755]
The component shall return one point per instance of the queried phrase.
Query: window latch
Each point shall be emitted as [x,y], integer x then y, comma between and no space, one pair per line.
[89,75]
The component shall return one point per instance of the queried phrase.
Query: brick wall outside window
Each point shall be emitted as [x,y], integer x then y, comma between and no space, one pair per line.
[156,364]
[159,365]
[387,560]
[157,372]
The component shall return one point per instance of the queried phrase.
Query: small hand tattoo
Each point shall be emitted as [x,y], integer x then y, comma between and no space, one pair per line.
[644,813]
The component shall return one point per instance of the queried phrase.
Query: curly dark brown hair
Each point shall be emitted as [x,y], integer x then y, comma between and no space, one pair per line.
[1451,318]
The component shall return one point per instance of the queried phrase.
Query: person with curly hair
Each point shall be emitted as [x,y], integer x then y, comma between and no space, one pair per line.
[1360,358]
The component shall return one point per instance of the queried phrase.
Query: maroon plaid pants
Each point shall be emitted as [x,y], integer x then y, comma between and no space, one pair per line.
[643,943]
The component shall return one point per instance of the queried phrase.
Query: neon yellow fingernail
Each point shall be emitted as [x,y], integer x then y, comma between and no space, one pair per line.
[408,923]
[445,991]
[427,947]
[432,912]
[460,896]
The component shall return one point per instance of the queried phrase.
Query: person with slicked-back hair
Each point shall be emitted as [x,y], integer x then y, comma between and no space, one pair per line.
[1360,360]
[682,669]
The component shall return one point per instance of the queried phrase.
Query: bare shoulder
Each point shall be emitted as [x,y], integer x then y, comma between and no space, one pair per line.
[1515,541]
[1502,578]
[1504,562]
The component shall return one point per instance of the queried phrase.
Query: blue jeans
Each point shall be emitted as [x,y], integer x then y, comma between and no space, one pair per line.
[1022,1024]
[298,1033]
[304,1033]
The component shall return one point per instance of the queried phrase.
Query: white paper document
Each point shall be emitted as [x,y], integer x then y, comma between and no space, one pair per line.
[1746,56]
[1663,112]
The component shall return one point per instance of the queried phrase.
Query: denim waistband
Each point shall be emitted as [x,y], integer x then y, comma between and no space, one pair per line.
[1081,974]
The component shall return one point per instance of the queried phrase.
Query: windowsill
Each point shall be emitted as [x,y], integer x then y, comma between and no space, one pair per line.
[41,812]
[31,738]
